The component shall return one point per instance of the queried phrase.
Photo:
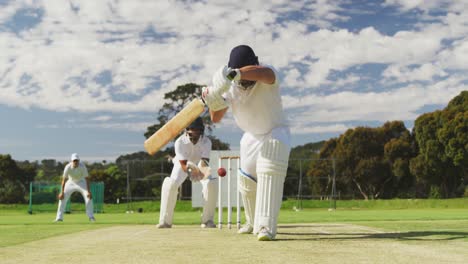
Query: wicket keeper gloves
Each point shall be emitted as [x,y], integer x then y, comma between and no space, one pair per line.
[194,172]
[204,169]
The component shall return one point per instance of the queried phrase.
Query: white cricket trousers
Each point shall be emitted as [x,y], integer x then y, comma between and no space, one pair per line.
[70,188]
[251,145]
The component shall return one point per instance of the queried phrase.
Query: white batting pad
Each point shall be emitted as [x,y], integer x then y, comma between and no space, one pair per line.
[272,165]
[168,200]
[248,190]
[210,195]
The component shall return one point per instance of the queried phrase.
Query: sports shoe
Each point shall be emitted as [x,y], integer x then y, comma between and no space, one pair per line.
[58,220]
[208,224]
[163,225]
[264,235]
[92,219]
[246,229]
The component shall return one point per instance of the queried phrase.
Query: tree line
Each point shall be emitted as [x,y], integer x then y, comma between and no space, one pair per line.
[392,162]
[368,163]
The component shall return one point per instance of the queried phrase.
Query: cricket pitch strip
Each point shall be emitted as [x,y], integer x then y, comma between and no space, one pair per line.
[296,243]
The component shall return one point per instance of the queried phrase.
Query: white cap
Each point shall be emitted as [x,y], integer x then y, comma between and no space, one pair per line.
[74,156]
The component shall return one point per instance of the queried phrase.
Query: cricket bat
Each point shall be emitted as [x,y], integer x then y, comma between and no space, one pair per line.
[174,126]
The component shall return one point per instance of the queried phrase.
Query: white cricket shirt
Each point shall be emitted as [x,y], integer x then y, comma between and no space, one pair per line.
[75,174]
[259,109]
[186,150]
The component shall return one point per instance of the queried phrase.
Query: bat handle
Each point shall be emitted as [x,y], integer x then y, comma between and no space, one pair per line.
[231,75]
[203,100]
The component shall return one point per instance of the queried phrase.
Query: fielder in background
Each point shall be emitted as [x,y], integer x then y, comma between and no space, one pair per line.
[75,179]
[252,92]
[192,152]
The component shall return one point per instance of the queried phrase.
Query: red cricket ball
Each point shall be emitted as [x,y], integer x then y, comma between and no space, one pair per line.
[222,172]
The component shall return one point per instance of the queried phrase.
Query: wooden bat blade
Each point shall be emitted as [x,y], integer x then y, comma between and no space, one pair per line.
[174,126]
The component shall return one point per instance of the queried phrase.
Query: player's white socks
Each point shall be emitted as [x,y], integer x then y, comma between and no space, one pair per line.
[248,190]
[210,195]
[169,192]
[272,165]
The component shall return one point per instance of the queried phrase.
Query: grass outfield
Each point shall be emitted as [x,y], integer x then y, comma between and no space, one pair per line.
[378,232]
[153,206]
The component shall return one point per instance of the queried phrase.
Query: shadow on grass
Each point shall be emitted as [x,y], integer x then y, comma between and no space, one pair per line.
[409,235]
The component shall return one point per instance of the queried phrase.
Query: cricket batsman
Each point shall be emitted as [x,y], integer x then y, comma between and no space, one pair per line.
[252,91]
[192,154]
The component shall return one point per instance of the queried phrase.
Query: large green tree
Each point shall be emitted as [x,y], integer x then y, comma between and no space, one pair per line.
[12,177]
[50,170]
[367,162]
[441,167]
[29,170]
[114,181]
[299,162]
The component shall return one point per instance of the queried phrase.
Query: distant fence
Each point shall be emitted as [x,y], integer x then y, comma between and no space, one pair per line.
[46,193]
[145,177]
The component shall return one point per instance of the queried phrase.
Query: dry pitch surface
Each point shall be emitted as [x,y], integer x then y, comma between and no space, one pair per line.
[304,243]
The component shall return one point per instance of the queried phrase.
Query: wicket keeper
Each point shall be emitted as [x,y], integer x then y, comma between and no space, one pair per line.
[192,151]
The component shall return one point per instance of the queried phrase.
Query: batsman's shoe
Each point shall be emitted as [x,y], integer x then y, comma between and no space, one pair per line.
[246,229]
[265,235]
[92,219]
[58,220]
[208,224]
[163,225]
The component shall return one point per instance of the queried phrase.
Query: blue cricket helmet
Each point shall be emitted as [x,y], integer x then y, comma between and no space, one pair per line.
[241,56]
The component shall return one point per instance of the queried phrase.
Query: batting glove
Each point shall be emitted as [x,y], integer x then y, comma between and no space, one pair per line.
[213,100]
[221,82]
[234,75]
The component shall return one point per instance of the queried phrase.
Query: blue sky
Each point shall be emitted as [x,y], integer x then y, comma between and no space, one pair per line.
[89,76]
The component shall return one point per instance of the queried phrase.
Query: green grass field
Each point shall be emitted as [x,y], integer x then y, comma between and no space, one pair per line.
[407,227]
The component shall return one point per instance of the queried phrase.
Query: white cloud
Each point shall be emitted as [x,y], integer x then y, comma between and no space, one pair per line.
[67,45]
[301,129]
[425,5]
[425,72]
[404,4]
[101,118]
[457,57]
[347,80]
[65,53]
[130,126]
[399,104]
[340,50]
[104,124]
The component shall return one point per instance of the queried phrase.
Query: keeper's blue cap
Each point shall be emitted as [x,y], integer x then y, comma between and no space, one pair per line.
[241,56]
